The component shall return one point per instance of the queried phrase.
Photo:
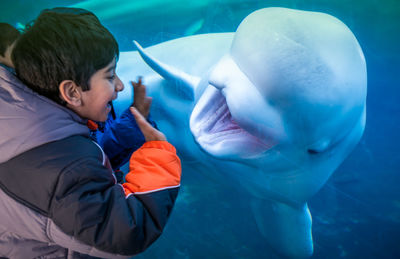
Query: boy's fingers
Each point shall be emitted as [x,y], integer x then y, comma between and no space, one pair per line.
[140,120]
[133,84]
[138,116]
[146,106]
[139,81]
[148,131]
[138,85]
[149,100]
[139,90]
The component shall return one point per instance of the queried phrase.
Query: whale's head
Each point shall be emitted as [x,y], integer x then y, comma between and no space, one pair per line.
[293,86]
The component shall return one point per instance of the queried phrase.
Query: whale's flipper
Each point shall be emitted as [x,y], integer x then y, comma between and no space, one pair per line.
[286,228]
[185,83]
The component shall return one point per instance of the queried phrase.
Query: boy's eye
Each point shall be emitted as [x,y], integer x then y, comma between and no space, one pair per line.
[111,77]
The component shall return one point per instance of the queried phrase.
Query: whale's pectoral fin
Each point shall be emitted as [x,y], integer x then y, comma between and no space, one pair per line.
[183,81]
[286,228]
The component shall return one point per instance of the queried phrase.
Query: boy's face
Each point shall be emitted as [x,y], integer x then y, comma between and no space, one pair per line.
[104,87]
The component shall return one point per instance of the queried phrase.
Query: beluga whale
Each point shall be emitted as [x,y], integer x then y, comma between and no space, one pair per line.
[274,107]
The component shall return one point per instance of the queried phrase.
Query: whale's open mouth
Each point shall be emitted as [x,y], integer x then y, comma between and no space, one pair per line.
[219,134]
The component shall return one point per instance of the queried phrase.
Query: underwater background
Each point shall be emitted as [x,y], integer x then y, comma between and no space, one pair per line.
[357,212]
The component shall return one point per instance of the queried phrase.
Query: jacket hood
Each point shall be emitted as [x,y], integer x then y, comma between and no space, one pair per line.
[28,120]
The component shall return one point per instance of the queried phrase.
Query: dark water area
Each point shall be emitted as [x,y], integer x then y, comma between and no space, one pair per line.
[357,213]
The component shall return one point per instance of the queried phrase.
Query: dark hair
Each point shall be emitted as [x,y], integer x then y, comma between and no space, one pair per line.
[8,34]
[62,44]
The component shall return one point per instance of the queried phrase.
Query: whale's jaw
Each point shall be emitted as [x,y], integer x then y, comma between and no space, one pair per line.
[219,134]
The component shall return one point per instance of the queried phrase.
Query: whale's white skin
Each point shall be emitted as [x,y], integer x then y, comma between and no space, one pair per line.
[274,107]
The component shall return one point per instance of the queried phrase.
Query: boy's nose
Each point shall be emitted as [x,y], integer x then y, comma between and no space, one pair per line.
[119,86]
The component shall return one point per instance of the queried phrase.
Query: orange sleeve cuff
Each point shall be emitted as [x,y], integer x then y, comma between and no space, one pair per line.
[153,167]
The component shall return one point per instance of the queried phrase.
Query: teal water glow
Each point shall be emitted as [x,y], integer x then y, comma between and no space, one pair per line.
[357,213]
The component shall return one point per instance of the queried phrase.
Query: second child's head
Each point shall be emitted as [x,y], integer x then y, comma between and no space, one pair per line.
[68,56]
[8,36]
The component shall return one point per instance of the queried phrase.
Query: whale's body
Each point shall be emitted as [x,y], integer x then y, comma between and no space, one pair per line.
[273,108]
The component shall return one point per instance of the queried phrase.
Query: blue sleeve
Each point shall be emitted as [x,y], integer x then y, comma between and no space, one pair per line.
[121,138]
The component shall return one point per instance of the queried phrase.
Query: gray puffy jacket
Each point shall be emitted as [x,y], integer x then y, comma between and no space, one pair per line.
[57,197]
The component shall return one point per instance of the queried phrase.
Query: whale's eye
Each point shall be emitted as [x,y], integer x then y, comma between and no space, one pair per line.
[312,151]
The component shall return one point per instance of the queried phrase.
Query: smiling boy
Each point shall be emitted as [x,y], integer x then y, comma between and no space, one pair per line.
[58,194]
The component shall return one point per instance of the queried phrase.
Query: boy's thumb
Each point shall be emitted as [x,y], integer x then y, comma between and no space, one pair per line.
[140,120]
[148,131]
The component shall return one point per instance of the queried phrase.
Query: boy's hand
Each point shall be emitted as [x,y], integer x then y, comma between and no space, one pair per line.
[150,133]
[140,101]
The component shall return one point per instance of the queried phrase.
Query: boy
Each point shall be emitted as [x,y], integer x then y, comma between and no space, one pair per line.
[58,198]
[119,137]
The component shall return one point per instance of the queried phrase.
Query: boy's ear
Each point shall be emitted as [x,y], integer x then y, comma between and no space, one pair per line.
[71,93]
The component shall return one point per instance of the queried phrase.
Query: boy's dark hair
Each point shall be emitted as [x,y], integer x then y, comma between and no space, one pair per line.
[8,34]
[62,44]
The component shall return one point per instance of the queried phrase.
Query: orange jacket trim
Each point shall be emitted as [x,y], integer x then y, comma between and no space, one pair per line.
[92,125]
[153,167]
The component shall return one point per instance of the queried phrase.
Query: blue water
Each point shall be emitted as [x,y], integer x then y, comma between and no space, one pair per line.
[357,213]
